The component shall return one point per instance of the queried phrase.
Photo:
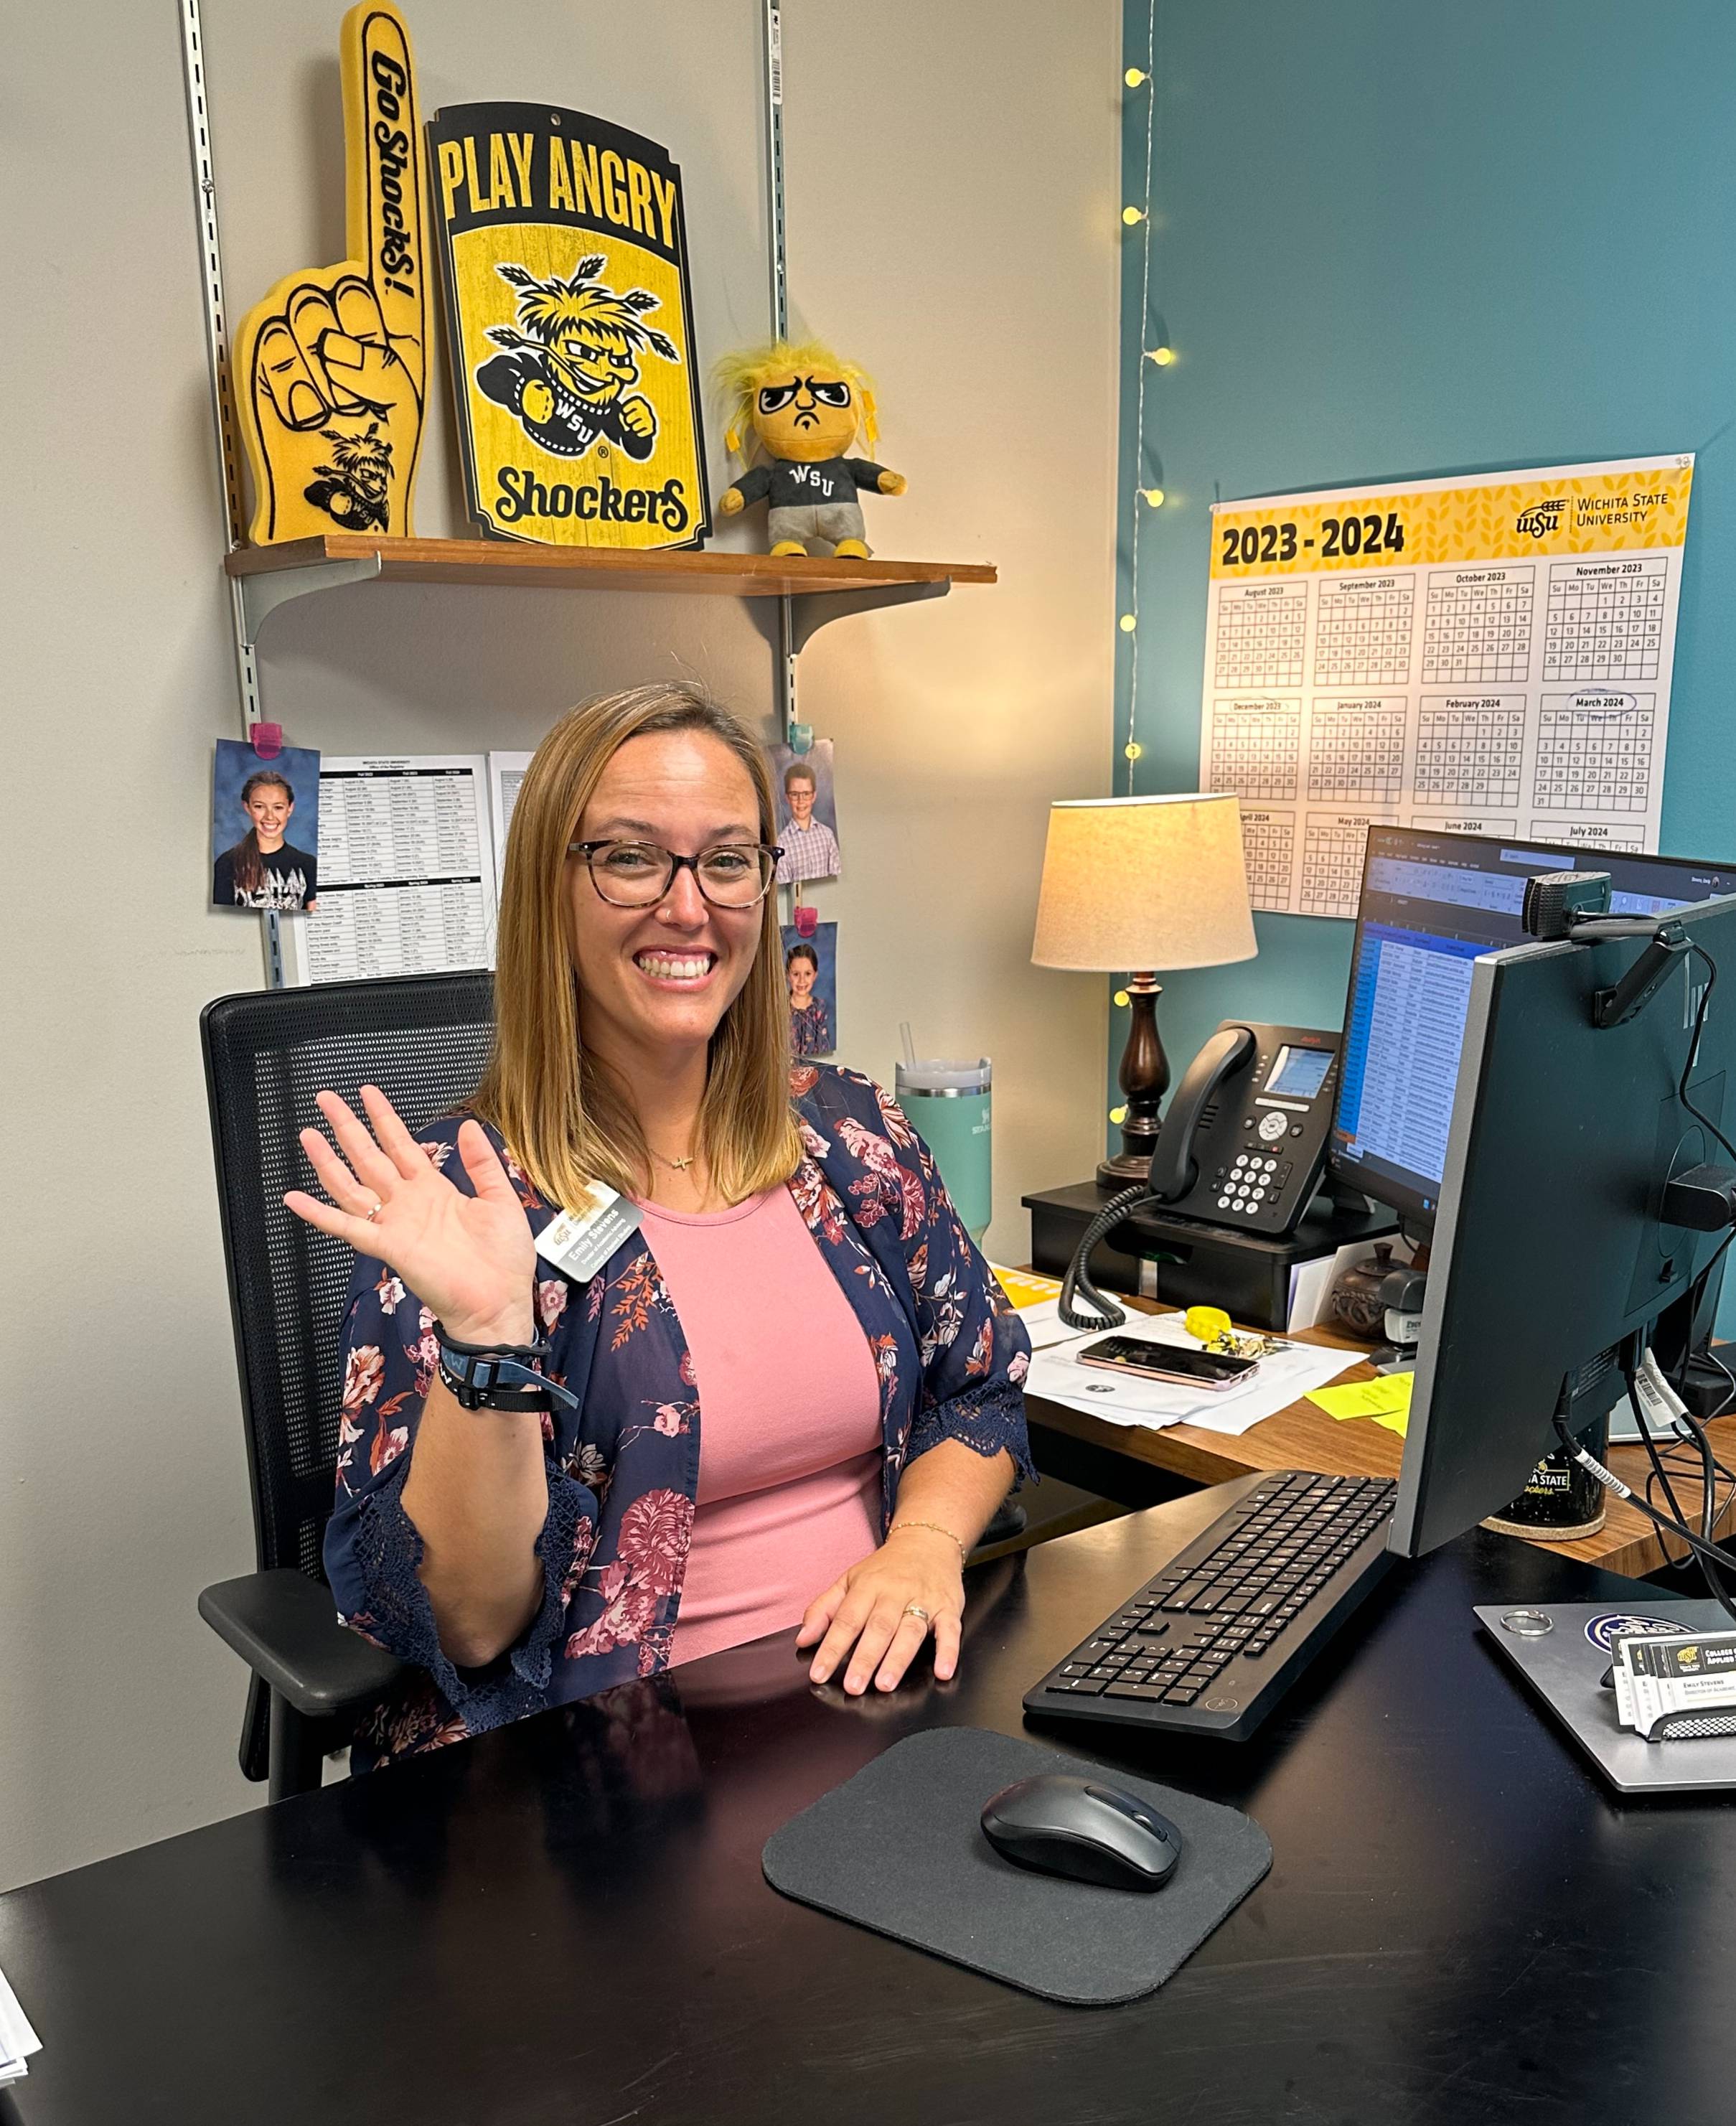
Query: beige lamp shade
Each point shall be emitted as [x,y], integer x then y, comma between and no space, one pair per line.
[1144,883]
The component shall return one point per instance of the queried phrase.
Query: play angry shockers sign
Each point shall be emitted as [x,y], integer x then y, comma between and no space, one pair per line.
[571,329]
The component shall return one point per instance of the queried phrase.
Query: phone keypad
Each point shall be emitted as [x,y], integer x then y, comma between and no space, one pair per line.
[1245,1186]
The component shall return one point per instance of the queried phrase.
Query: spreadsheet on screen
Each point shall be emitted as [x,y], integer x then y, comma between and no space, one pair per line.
[1430,904]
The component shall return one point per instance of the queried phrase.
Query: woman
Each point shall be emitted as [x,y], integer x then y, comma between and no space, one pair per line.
[792,1395]
[263,869]
[810,1034]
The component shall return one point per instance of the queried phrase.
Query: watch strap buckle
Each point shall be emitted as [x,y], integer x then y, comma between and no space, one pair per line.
[498,1377]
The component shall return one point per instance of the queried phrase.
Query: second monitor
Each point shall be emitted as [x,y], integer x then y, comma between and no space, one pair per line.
[1587,1203]
[1431,902]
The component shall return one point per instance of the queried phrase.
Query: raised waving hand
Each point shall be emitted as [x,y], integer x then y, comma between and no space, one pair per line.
[471,1258]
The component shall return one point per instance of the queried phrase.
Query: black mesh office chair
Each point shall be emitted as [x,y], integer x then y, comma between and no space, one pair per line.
[423,1042]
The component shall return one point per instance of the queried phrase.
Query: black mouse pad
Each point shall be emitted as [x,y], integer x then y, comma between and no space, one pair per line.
[900,1848]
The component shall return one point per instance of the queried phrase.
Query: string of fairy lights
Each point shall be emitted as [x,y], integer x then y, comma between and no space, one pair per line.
[1136,220]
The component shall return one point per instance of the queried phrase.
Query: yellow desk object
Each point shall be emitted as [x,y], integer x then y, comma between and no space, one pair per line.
[1025,1287]
[1386,1399]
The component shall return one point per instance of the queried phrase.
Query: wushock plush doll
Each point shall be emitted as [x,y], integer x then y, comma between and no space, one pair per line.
[801,407]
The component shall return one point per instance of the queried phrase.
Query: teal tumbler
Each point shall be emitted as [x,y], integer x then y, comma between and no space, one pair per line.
[950,1105]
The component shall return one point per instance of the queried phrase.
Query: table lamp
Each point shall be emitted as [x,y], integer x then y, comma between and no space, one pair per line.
[1138,884]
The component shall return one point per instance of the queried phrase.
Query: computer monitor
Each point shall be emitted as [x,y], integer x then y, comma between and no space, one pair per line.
[1551,1265]
[1430,903]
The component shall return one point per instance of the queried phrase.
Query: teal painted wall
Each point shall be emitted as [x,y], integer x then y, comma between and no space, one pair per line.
[1395,238]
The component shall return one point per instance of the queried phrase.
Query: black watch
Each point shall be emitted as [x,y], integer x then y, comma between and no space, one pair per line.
[499,1376]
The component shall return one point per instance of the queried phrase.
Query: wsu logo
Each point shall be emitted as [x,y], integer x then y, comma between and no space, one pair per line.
[1540,519]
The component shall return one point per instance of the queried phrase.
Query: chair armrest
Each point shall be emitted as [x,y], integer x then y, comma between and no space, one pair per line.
[284,1627]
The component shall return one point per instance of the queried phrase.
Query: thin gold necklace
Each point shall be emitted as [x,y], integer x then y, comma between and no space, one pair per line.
[679,1165]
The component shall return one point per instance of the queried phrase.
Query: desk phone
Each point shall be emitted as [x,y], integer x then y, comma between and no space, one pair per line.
[1244,1143]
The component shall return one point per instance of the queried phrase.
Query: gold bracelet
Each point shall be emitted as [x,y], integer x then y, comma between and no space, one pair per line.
[936,1527]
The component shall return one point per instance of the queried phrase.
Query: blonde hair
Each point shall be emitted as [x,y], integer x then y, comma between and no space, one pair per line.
[739,375]
[583,304]
[567,1120]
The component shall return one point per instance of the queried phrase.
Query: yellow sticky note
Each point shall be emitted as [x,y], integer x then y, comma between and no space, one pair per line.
[1385,1400]
[1025,1287]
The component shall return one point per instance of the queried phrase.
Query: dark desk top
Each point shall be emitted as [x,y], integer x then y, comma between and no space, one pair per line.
[566,1921]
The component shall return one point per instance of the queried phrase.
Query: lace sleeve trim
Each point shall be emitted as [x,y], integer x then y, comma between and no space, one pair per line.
[388,1552]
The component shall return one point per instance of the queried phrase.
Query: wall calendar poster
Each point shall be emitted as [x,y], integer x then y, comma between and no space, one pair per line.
[569,327]
[1488,656]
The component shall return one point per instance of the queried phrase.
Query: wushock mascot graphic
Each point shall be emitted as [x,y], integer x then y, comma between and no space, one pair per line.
[572,382]
[565,255]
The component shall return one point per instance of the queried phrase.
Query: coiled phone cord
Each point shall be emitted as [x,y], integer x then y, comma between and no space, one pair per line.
[1076,1283]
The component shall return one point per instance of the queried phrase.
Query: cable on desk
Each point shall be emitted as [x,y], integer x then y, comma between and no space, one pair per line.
[1704,1120]
[1713,1359]
[1659,1474]
[1612,1482]
[1720,1503]
[1698,1286]
[1671,1455]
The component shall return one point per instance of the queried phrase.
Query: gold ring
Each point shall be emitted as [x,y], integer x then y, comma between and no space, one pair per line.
[916,1609]
[377,1207]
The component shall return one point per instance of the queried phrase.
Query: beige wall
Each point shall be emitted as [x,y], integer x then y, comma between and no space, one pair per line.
[952,188]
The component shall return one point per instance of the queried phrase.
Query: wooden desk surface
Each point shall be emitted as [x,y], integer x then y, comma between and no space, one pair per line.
[1303,1437]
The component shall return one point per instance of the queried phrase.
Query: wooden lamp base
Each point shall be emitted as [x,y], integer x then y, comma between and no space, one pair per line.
[1144,1078]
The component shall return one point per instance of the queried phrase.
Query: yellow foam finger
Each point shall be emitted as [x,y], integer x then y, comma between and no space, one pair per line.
[385,221]
[333,428]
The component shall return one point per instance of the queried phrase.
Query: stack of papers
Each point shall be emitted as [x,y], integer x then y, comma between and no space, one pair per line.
[1292,1370]
[17,2039]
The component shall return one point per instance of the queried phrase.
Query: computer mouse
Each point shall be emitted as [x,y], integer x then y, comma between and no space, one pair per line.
[1058,1823]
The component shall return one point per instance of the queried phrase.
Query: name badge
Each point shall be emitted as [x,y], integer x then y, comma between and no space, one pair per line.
[580,1242]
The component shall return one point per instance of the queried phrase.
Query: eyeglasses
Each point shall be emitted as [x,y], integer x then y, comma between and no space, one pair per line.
[639,874]
[775,397]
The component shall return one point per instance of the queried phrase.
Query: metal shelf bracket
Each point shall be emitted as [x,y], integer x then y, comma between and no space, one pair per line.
[263,593]
[812,610]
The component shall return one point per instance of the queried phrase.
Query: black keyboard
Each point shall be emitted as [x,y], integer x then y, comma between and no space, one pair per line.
[1211,1644]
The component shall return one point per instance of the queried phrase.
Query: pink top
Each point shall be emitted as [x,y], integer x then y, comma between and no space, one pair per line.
[789,1447]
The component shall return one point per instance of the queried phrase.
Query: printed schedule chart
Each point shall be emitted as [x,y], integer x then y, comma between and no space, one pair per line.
[406,872]
[1490,655]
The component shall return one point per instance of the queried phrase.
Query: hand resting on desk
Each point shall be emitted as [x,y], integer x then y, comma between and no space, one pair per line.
[874,1607]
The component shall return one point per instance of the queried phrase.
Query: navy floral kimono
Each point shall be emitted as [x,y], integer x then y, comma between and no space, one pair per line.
[624,1469]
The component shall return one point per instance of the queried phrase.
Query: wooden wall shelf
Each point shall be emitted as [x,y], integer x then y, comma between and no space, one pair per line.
[820,590]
